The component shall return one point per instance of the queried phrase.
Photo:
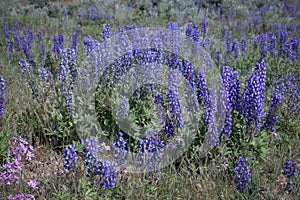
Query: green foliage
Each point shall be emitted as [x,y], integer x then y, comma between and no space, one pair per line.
[195,175]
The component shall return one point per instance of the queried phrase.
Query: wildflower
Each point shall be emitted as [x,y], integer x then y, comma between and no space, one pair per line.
[92,13]
[2,95]
[242,177]
[5,29]
[58,44]
[89,44]
[17,43]
[27,52]
[109,173]
[228,45]
[39,38]
[120,151]
[203,96]
[230,85]
[275,101]
[254,95]
[289,168]
[70,104]
[204,27]
[63,77]
[224,34]
[172,26]
[74,41]
[30,38]
[105,33]
[33,184]
[8,47]
[292,92]
[151,149]
[173,98]
[46,77]
[244,46]
[70,157]
[224,165]
[21,196]
[236,49]
[264,46]
[80,14]
[65,13]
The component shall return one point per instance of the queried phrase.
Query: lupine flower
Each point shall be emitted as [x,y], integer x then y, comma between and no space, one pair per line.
[173,98]
[188,73]
[8,47]
[30,38]
[189,30]
[2,95]
[231,88]
[172,26]
[74,41]
[109,173]
[120,151]
[39,38]
[161,109]
[254,95]
[65,13]
[97,167]
[89,44]
[160,106]
[289,168]
[80,14]
[283,35]
[105,33]
[130,27]
[46,77]
[204,27]
[58,44]
[236,49]
[151,149]
[27,52]
[224,34]
[244,46]
[273,46]
[70,104]
[70,157]
[5,29]
[192,31]
[71,64]
[292,92]
[92,13]
[264,46]
[24,66]
[242,177]
[203,96]
[16,26]
[228,45]
[275,101]
[17,44]
[63,77]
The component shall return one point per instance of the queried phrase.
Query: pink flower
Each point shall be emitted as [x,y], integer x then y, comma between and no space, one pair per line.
[224,165]
[33,184]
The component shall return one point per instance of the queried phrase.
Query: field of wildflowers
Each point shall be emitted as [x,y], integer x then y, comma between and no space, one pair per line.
[151,99]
